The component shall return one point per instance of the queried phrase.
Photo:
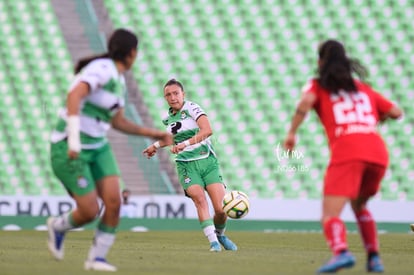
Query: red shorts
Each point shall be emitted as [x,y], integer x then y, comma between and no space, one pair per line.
[353,179]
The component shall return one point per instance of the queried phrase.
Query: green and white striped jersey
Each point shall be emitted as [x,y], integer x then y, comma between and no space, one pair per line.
[183,125]
[106,97]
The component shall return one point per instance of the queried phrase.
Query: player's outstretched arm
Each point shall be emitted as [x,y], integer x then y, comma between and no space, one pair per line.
[151,150]
[305,104]
[121,123]
[394,113]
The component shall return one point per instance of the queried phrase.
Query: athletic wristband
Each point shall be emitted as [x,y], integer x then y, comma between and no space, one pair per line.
[187,143]
[156,144]
[73,129]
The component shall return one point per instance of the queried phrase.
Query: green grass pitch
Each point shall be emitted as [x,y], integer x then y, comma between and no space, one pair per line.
[186,252]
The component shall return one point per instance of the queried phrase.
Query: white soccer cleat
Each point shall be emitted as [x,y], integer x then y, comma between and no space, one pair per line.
[99,265]
[412,226]
[55,240]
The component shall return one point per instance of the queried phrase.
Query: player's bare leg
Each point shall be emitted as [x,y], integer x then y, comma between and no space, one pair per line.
[86,210]
[197,194]
[109,191]
[216,193]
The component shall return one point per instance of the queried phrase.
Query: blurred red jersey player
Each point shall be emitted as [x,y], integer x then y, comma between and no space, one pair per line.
[349,110]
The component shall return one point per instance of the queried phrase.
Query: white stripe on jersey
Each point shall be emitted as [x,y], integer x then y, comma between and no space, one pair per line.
[104,99]
[89,125]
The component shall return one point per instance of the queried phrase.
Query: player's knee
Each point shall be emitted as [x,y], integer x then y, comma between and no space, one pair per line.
[113,203]
[200,201]
[90,213]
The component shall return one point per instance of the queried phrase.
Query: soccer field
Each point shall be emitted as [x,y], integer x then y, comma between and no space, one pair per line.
[186,252]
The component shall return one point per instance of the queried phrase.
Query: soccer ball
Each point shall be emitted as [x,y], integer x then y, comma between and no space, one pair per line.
[236,204]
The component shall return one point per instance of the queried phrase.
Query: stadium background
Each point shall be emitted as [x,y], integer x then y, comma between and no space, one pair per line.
[244,62]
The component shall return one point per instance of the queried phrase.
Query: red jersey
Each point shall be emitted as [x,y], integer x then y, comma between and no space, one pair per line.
[350,121]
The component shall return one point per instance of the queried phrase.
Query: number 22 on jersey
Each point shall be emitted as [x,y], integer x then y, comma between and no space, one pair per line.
[349,108]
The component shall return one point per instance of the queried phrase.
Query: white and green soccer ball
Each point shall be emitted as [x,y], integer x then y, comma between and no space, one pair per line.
[236,204]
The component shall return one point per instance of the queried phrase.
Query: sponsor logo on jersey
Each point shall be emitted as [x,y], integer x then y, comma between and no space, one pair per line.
[197,110]
[183,115]
[82,182]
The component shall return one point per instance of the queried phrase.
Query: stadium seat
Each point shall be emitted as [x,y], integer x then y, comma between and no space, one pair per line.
[25,78]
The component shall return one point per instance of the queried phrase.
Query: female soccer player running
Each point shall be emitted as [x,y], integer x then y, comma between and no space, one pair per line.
[197,166]
[349,111]
[81,157]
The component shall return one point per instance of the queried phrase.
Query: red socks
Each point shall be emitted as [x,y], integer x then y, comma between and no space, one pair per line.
[335,234]
[368,230]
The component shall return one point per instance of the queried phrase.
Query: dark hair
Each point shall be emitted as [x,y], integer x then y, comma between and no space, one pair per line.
[119,47]
[335,68]
[173,81]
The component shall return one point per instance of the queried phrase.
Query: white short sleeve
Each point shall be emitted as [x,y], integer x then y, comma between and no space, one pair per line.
[195,110]
[96,74]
